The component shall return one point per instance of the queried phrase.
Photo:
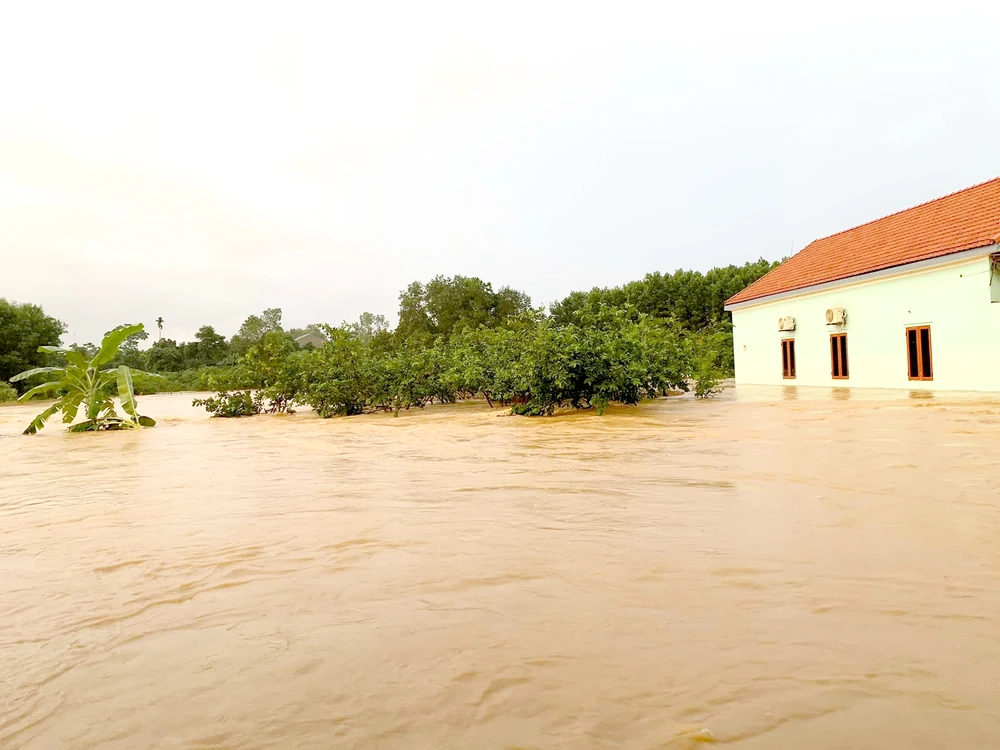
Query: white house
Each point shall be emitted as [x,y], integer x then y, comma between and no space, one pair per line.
[911,300]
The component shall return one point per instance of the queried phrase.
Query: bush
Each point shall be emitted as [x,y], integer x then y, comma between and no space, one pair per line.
[707,386]
[534,366]
[712,354]
[610,355]
[7,393]
[236,404]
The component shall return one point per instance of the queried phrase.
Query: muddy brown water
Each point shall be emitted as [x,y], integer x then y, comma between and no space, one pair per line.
[777,568]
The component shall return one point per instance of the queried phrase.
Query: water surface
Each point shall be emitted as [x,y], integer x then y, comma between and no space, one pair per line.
[782,568]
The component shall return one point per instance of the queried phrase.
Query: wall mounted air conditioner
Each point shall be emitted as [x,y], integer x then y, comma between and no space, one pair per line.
[835,316]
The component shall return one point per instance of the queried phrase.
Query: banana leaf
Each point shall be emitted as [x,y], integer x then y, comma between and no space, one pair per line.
[35,371]
[71,355]
[39,422]
[38,389]
[109,347]
[70,405]
[126,392]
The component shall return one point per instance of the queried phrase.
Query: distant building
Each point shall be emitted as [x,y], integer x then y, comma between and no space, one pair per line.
[310,338]
[907,301]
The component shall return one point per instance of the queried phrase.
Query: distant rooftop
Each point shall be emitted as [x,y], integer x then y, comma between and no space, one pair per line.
[960,221]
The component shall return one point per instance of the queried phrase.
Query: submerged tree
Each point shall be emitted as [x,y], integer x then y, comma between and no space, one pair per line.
[82,382]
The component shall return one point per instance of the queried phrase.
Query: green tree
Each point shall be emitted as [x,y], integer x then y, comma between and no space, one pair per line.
[274,364]
[254,328]
[693,299]
[23,329]
[88,350]
[446,305]
[165,356]
[212,346]
[128,352]
[367,327]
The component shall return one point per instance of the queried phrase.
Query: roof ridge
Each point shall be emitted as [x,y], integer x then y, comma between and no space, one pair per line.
[965,219]
[903,211]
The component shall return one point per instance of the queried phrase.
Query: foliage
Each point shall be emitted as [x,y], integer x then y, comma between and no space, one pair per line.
[235,404]
[367,327]
[211,347]
[340,378]
[254,328]
[713,359]
[693,299]
[88,350]
[707,386]
[82,382]
[269,372]
[194,379]
[165,356]
[272,367]
[458,339]
[128,352]
[445,306]
[534,366]
[7,393]
[612,355]
[24,328]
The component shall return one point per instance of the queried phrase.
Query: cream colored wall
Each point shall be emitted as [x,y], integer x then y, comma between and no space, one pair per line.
[954,300]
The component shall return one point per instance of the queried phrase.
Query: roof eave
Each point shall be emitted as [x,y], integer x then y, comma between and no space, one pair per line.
[940,260]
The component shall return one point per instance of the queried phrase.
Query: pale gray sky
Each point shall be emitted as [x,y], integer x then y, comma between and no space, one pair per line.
[204,161]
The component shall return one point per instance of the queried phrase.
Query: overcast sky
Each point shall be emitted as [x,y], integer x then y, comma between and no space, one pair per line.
[168,159]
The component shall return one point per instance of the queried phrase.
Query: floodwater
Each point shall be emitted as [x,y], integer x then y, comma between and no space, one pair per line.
[776,568]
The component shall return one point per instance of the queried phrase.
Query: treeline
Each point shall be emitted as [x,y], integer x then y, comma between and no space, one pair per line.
[209,348]
[693,299]
[458,338]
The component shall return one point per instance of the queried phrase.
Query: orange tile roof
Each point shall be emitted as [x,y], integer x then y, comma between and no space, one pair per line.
[961,221]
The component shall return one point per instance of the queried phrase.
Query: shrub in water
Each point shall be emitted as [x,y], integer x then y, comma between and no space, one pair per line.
[236,404]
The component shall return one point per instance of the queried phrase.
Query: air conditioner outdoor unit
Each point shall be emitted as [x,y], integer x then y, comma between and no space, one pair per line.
[786,324]
[835,316]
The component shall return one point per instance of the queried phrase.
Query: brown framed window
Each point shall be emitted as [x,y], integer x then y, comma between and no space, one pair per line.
[788,359]
[918,353]
[838,356]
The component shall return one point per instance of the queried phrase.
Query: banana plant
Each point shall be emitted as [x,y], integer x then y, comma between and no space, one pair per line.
[84,383]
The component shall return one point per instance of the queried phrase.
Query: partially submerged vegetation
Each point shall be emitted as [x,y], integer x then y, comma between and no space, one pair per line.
[457,338]
[531,364]
[89,384]
[235,404]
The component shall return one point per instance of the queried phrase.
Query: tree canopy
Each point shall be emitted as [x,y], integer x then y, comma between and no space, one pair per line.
[446,305]
[23,328]
[693,299]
